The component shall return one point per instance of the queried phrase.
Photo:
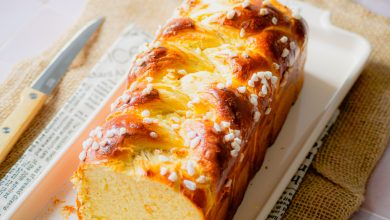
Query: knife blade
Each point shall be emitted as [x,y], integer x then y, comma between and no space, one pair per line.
[50,76]
[32,98]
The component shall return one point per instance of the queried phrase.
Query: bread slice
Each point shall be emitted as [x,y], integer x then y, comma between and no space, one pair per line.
[204,101]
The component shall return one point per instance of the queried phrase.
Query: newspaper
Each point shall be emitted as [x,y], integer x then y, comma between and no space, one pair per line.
[106,75]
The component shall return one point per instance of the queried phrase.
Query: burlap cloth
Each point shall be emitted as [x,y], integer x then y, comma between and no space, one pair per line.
[335,184]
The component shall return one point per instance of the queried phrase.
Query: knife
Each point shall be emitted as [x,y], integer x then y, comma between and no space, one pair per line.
[33,98]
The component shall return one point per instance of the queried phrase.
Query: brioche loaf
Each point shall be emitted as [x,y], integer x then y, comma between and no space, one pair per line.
[204,101]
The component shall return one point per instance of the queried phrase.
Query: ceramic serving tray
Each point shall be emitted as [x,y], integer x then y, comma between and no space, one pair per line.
[335,59]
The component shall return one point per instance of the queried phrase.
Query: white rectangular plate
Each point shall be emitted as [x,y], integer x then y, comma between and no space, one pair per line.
[335,59]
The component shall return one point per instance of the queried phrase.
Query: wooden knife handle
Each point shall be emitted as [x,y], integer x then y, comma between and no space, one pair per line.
[30,103]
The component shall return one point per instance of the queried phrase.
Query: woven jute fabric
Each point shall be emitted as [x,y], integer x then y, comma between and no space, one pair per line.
[334,186]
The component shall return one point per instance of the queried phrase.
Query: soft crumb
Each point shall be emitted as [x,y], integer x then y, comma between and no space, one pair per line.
[67,211]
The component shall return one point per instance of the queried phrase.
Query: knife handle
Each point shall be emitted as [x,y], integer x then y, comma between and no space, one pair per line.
[31,101]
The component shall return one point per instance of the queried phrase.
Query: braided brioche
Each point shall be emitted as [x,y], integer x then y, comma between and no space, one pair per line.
[204,101]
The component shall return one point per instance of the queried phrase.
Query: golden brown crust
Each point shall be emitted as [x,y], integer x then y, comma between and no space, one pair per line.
[176,25]
[242,172]
[252,22]
[253,54]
